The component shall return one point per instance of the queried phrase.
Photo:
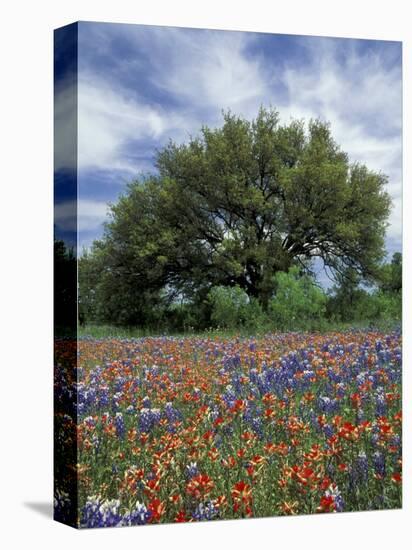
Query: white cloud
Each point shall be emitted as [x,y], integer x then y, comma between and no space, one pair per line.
[91,214]
[85,215]
[214,73]
[108,119]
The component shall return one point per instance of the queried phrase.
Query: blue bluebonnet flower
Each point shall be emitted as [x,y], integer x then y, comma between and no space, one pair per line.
[191,469]
[62,507]
[140,515]
[257,425]
[148,419]
[333,491]
[104,397]
[205,511]
[110,511]
[171,413]
[96,442]
[90,515]
[361,467]
[340,389]
[146,402]
[327,405]
[328,430]
[380,403]
[229,397]
[253,376]
[308,375]
[214,413]
[119,425]
[115,401]
[379,464]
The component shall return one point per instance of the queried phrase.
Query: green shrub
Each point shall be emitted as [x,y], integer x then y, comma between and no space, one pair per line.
[298,302]
[229,306]
[254,318]
[379,306]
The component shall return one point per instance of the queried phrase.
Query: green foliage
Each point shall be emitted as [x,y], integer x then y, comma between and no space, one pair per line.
[386,307]
[350,302]
[228,306]
[232,208]
[88,302]
[231,307]
[390,277]
[378,306]
[345,297]
[298,302]
[255,318]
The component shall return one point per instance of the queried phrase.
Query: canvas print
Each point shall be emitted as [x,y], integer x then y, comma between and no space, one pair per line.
[228,275]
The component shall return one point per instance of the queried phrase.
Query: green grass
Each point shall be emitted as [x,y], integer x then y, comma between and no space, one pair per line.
[111,331]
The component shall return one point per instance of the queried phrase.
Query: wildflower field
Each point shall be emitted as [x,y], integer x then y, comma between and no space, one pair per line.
[199,428]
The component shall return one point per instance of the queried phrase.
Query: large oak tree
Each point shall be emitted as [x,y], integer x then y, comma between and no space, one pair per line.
[236,205]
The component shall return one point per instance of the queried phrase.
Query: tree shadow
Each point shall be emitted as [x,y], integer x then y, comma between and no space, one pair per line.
[43,508]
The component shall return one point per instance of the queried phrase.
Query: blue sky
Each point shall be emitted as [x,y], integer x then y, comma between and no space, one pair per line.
[139,86]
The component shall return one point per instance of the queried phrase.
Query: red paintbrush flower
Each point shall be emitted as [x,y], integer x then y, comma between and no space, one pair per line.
[181,517]
[327,504]
[157,508]
[239,406]
[199,486]
[289,508]
[242,492]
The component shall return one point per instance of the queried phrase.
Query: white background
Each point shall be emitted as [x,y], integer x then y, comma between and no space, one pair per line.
[26,220]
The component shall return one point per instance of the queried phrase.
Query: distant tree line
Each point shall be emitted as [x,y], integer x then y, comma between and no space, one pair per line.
[298,303]
[226,232]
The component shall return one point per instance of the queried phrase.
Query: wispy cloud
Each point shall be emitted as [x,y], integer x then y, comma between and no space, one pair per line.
[210,71]
[91,214]
[84,215]
[109,118]
[200,78]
